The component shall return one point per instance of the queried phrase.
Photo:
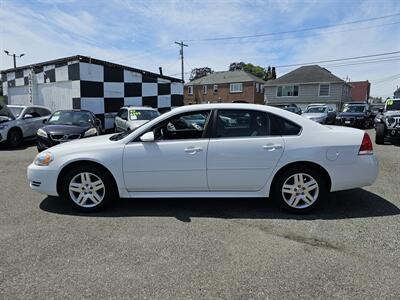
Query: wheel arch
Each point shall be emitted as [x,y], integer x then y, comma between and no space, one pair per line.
[14,128]
[308,164]
[81,163]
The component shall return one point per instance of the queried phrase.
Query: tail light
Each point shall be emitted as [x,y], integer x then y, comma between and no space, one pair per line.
[366,146]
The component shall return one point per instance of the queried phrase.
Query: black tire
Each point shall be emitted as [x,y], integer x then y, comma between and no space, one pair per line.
[303,207]
[15,137]
[380,133]
[110,191]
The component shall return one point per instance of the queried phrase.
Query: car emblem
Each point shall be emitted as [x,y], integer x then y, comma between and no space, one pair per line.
[65,137]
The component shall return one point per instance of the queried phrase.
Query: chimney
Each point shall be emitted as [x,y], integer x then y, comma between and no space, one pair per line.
[160,68]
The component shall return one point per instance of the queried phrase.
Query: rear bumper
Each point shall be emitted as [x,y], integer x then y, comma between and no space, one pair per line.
[42,180]
[362,173]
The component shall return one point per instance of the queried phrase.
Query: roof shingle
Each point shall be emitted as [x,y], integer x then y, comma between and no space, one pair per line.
[227,77]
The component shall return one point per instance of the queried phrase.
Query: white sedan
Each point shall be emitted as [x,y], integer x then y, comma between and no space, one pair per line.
[210,150]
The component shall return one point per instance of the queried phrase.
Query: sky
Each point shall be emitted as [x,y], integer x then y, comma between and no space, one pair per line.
[141,34]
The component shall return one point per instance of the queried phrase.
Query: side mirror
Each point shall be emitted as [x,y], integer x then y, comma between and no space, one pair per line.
[44,121]
[147,137]
[28,116]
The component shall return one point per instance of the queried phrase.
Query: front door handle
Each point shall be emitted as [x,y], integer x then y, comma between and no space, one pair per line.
[193,150]
[272,147]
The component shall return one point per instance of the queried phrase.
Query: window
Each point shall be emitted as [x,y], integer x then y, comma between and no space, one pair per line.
[281,126]
[143,114]
[43,112]
[186,126]
[241,123]
[324,90]
[190,89]
[257,87]
[204,89]
[215,88]
[33,112]
[236,87]
[123,114]
[288,91]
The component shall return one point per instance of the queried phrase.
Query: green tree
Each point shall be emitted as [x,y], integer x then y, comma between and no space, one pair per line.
[260,72]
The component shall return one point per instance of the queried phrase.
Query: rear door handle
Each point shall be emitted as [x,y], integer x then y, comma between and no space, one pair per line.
[193,150]
[272,147]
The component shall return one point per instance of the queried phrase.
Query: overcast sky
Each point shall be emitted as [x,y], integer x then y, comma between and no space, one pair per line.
[141,34]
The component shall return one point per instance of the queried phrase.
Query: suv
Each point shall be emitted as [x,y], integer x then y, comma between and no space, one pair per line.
[355,115]
[131,117]
[18,122]
[387,122]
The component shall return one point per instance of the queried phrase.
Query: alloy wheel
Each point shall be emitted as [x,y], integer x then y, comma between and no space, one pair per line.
[300,190]
[87,189]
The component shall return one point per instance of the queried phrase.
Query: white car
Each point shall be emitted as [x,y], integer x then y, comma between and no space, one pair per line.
[18,122]
[131,117]
[238,150]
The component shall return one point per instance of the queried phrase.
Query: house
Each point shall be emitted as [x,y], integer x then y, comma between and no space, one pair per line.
[80,82]
[360,90]
[227,86]
[396,93]
[307,85]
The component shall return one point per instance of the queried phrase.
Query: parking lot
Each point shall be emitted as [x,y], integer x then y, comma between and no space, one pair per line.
[200,248]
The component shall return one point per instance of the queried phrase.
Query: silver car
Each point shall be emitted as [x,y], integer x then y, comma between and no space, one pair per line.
[18,122]
[320,113]
[131,117]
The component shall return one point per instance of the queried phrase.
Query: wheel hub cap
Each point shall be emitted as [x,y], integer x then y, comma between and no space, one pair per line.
[87,189]
[300,190]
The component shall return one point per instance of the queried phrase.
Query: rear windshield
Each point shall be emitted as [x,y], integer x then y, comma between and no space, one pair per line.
[317,109]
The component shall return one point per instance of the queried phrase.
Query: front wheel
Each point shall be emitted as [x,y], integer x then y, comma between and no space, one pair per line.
[300,190]
[15,137]
[88,188]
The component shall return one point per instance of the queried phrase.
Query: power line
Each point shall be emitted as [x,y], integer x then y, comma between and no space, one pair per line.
[293,31]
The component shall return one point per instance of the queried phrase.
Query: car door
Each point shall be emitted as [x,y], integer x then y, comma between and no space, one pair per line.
[31,121]
[242,154]
[174,162]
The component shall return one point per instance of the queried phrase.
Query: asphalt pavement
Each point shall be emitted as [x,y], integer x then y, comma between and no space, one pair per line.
[200,248]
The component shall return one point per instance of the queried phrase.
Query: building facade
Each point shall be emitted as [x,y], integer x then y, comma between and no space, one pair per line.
[80,82]
[228,87]
[308,85]
[360,90]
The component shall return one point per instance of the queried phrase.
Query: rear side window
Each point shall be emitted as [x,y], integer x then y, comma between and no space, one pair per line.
[43,112]
[282,126]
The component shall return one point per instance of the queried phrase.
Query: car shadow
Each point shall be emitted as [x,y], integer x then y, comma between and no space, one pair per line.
[357,203]
[25,145]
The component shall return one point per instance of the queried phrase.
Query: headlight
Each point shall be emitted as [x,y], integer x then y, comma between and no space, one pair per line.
[43,159]
[338,117]
[41,133]
[391,120]
[90,132]
[4,126]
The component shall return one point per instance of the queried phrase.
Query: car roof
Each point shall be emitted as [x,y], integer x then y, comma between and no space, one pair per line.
[74,110]
[25,106]
[138,107]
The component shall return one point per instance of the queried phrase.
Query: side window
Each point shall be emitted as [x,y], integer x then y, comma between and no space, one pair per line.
[281,126]
[241,123]
[187,126]
[33,112]
[124,114]
[43,112]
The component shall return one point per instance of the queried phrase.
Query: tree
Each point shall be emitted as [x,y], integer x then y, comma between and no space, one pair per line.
[236,66]
[260,72]
[273,73]
[200,72]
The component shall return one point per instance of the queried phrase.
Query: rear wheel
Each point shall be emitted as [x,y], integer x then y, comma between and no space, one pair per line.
[380,134]
[300,190]
[88,188]
[15,137]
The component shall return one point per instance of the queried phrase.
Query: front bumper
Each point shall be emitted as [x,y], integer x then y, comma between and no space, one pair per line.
[350,121]
[42,179]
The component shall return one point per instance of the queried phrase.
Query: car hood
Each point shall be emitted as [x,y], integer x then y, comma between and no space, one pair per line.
[5,113]
[314,115]
[81,145]
[66,129]
[136,123]
[345,114]
[392,113]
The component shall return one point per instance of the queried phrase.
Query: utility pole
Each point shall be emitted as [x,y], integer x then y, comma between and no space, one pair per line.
[14,56]
[181,54]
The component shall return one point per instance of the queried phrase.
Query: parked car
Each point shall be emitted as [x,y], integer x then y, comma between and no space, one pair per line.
[131,117]
[67,125]
[387,122]
[355,115]
[290,107]
[320,113]
[19,122]
[265,152]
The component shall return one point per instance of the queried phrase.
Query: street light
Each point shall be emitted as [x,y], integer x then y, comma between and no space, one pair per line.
[14,56]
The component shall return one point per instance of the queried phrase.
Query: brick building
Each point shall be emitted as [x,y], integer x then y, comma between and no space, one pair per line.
[227,86]
[360,90]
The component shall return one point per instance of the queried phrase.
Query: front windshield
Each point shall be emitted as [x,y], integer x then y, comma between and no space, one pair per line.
[16,111]
[120,136]
[143,115]
[317,109]
[354,109]
[78,118]
[393,105]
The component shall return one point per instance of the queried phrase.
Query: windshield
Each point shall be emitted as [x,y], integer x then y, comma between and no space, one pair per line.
[317,109]
[354,109]
[78,118]
[16,111]
[393,105]
[120,136]
[143,114]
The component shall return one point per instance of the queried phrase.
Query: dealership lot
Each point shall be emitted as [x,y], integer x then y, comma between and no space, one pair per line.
[203,248]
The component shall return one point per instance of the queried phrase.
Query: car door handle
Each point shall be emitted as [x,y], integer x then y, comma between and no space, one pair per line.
[272,147]
[193,150]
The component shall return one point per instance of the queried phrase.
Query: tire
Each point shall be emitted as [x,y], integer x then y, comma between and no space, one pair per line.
[300,190]
[380,134]
[88,188]
[15,137]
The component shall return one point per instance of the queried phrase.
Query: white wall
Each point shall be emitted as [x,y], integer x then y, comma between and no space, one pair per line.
[18,95]
[57,95]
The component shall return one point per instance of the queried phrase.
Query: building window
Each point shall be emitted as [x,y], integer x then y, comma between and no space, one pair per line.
[257,87]
[204,89]
[236,87]
[190,90]
[288,91]
[324,90]
[215,88]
